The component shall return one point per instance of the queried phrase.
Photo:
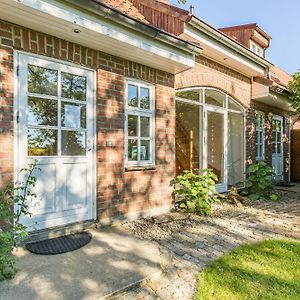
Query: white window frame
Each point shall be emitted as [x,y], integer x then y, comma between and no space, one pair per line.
[140,112]
[222,187]
[261,129]
[257,49]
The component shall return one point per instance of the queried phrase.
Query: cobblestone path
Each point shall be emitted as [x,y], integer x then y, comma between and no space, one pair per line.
[197,241]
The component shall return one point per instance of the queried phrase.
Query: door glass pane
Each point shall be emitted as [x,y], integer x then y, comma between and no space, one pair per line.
[145,127]
[278,147]
[190,95]
[188,137]
[132,95]
[42,112]
[42,142]
[235,160]
[42,80]
[214,98]
[73,115]
[132,125]
[145,98]
[215,144]
[144,150]
[274,147]
[73,143]
[73,86]
[132,150]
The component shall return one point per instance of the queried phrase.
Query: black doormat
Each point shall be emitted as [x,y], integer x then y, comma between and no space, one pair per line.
[60,245]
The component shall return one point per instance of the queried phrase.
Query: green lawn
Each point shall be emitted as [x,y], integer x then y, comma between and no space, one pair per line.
[266,270]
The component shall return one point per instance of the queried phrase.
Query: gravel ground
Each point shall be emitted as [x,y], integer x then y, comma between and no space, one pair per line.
[164,226]
[188,242]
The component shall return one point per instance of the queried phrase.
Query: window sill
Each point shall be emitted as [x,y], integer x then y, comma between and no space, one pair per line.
[140,168]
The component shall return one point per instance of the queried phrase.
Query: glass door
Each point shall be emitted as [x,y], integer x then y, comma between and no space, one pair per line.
[277,141]
[215,140]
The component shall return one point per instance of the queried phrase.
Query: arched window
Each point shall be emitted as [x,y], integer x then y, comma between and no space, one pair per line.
[210,134]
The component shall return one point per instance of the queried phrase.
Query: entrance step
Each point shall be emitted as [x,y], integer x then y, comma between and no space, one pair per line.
[58,231]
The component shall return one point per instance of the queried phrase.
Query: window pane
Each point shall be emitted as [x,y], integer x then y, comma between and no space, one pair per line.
[42,112]
[278,136]
[42,142]
[145,98]
[274,147]
[236,149]
[188,137]
[132,95]
[145,127]
[190,95]
[73,143]
[214,98]
[233,105]
[132,125]
[132,150]
[42,80]
[257,136]
[215,144]
[145,150]
[73,86]
[73,115]
[278,147]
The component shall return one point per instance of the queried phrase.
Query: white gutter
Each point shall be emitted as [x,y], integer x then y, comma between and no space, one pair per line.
[222,38]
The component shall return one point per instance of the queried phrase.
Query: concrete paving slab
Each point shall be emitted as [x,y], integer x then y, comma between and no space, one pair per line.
[112,261]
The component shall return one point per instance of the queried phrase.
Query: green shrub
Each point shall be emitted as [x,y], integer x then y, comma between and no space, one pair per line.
[195,192]
[14,197]
[260,182]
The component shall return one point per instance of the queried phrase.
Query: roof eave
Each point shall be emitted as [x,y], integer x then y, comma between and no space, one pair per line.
[115,15]
[230,42]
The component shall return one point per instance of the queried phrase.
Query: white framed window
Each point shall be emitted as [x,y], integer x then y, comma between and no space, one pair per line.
[256,49]
[260,136]
[139,123]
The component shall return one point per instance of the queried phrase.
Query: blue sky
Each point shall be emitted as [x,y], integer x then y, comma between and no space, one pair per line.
[280,19]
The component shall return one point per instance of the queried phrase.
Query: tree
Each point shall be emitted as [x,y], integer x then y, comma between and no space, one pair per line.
[294,88]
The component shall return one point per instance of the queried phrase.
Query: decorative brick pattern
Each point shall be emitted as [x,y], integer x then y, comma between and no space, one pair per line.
[211,74]
[118,192]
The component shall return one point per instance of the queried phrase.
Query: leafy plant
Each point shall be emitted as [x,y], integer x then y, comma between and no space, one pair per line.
[194,192]
[13,205]
[294,88]
[260,182]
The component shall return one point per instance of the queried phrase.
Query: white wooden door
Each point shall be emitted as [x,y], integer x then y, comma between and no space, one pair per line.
[215,149]
[277,143]
[55,108]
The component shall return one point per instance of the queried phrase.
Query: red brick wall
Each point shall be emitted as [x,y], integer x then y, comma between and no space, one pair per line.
[207,73]
[211,74]
[118,191]
[6,115]
[251,134]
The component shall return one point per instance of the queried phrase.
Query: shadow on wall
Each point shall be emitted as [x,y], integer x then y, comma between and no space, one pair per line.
[6,116]
[120,191]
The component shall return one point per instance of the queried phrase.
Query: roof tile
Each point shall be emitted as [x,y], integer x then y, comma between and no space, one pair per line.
[126,7]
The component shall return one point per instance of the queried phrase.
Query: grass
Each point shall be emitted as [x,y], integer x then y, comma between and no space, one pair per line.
[269,270]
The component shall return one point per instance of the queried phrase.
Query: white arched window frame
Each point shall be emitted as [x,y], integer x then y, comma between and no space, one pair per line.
[197,96]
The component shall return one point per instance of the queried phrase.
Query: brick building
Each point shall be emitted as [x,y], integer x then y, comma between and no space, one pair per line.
[112,98]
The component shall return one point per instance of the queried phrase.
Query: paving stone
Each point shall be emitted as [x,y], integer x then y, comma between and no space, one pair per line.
[196,245]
